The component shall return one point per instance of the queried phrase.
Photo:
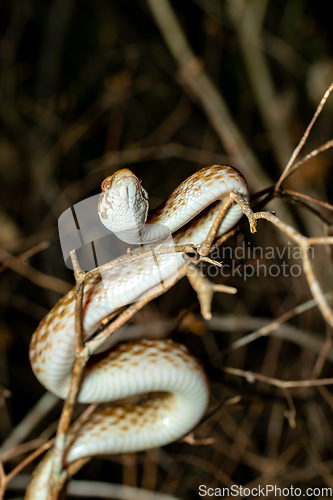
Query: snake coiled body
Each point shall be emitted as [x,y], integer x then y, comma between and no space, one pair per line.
[162,367]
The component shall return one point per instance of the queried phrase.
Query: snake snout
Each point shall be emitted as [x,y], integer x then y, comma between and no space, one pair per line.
[125,176]
[127,189]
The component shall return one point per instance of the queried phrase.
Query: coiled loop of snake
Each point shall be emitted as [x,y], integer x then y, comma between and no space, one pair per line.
[158,366]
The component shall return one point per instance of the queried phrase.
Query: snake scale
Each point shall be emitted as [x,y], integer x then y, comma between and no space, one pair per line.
[161,367]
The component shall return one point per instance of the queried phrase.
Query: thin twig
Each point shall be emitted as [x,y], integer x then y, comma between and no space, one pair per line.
[281,384]
[59,475]
[270,327]
[291,413]
[30,421]
[303,196]
[303,140]
[233,197]
[138,254]
[40,279]
[324,147]
[304,245]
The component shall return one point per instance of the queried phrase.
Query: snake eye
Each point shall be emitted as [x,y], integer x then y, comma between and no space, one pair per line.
[106,184]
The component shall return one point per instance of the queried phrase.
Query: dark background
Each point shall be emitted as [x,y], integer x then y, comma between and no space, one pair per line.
[90,87]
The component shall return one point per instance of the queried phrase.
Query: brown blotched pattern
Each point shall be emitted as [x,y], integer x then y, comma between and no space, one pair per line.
[160,367]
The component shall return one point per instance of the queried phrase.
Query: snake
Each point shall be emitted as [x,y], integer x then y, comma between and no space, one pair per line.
[166,372]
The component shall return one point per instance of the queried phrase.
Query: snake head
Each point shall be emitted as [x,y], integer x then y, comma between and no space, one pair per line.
[123,205]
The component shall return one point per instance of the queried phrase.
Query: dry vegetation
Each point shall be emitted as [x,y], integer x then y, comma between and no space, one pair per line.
[165,89]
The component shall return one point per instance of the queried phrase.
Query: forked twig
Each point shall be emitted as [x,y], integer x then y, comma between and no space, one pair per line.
[6,478]
[309,156]
[289,168]
[251,376]
[304,244]
[270,327]
[303,196]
